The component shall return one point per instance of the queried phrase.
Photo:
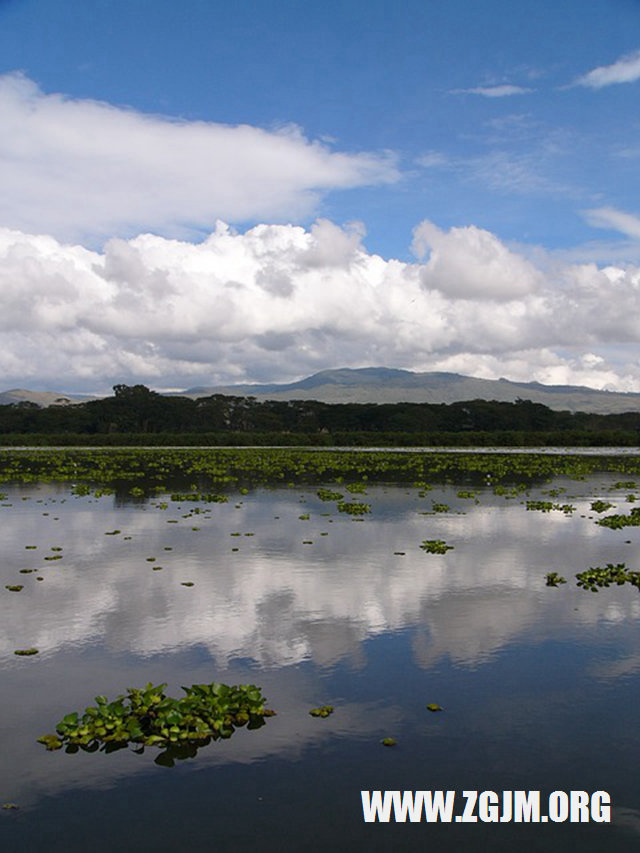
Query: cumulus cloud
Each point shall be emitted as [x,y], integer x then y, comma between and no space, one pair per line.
[82,169]
[278,302]
[624,70]
[471,263]
[503,91]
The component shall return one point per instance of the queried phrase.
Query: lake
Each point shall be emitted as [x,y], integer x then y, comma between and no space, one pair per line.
[539,686]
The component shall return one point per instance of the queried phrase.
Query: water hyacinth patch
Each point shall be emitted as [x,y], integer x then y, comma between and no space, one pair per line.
[328,495]
[554,579]
[353,508]
[148,717]
[615,522]
[323,711]
[436,546]
[601,506]
[595,578]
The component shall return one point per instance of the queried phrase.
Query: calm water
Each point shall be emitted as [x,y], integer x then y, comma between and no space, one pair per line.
[540,686]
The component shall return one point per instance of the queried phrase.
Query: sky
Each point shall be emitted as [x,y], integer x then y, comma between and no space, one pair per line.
[205,192]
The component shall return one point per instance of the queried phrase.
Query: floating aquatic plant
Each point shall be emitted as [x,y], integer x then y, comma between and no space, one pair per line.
[14,587]
[596,577]
[357,488]
[204,497]
[433,707]
[547,506]
[328,495]
[615,522]
[323,711]
[601,506]
[436,546]
[26,652]
[148,717]
[353,508]
[388,741]
[554,579]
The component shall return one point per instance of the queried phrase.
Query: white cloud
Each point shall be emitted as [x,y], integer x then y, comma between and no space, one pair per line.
[614,220]
[471,263]
[503,91]
[278,302]
[624,70]
[82,169]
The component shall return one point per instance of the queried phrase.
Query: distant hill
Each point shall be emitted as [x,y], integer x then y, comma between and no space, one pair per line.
[388,385]
[40,398]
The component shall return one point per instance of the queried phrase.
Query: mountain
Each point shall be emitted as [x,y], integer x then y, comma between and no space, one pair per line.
[388,385]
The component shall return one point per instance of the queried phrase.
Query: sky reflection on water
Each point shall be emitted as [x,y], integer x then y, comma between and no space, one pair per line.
[362,618]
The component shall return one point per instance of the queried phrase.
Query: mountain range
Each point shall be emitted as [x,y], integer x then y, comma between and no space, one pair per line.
[389,385]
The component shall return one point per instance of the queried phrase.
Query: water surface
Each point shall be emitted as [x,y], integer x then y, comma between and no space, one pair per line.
[540,686]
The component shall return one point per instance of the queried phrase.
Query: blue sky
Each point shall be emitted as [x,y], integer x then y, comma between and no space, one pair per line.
[477,161]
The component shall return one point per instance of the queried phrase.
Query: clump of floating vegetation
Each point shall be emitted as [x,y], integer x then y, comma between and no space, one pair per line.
[323,711]
[357,488]
[353,508]
[439,507]
[148,717]
[615,522]
[388,741]
[433,707]
[595,578]
[208,497]
[554,579]
[328,495]
[436,546]
[601,506]
[26,652]
[14,587]
[547,506]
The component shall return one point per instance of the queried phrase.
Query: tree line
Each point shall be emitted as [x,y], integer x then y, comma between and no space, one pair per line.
[137,411]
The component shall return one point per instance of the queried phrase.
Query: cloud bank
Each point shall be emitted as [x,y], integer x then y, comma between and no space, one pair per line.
[278,302]
[81,169]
